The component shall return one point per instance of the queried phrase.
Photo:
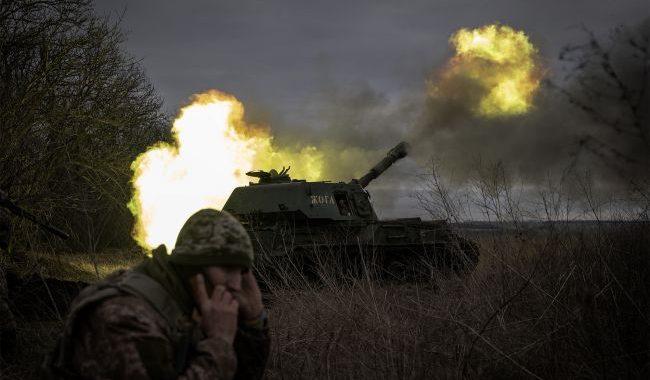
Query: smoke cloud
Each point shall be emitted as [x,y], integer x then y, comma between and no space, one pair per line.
[596,119]
[351,127]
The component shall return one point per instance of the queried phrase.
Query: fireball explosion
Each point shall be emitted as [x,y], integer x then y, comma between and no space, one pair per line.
[499,63]
[213,148]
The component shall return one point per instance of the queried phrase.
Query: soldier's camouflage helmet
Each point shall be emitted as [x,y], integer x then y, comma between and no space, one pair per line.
[211,237]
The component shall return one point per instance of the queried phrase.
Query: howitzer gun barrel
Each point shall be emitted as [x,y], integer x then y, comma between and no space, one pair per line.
[399,151]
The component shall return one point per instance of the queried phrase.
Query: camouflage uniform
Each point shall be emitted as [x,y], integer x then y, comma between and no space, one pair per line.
[7,321]
[138,324]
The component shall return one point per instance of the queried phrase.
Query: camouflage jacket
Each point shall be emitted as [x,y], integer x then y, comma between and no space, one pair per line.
[126,336]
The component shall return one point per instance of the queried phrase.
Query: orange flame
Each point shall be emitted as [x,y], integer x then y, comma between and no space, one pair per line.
[213,148]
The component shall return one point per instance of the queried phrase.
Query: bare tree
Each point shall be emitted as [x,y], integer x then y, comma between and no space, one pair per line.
[75,110]
[609,79]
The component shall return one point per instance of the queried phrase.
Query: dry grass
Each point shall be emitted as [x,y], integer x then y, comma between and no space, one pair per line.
[545,304]
[71,266]
[556,303]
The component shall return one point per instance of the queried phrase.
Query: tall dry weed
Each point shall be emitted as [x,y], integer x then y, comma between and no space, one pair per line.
[551,299]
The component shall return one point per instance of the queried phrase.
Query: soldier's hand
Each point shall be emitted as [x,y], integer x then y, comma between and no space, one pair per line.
[249,297]
[217,313]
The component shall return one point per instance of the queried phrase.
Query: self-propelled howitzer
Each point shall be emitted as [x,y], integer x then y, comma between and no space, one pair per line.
[290,218]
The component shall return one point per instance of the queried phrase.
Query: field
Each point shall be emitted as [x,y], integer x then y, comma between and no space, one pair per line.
[552,302]
[542,304]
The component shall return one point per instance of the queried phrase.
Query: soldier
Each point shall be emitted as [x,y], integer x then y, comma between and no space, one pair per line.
[194,314]
[7,321]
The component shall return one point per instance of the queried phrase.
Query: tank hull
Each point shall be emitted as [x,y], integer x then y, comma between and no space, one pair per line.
[396,248]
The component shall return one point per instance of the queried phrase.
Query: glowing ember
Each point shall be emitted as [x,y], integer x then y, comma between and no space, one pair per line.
[500,62]
[213,150]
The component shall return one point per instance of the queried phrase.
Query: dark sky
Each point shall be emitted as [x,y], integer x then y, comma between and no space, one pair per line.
[283,54]
[294,62]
